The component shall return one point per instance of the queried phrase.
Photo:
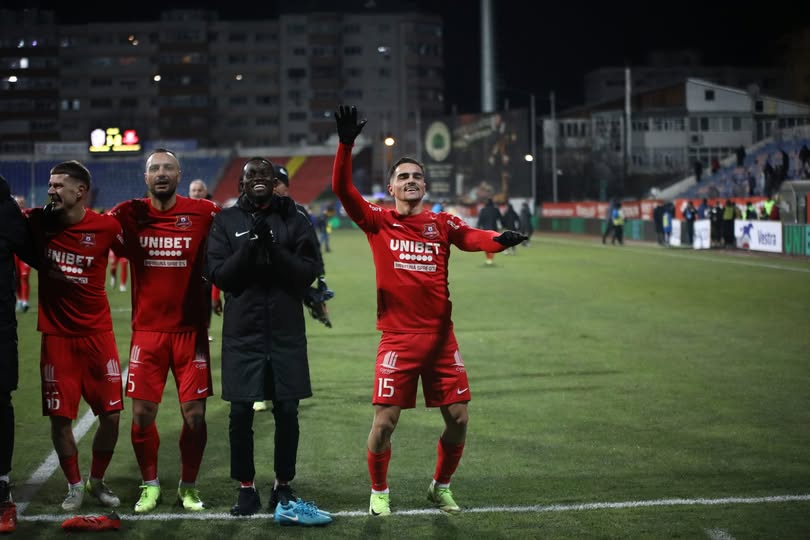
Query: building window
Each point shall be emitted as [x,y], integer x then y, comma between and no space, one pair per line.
[296,115]
[102,103]
[709,95]
[758,106]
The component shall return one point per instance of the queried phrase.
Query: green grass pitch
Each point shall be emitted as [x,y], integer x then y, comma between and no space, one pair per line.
[669,382]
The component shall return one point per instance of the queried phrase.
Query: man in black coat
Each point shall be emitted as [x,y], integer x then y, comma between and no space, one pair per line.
[14,239]
[261,253]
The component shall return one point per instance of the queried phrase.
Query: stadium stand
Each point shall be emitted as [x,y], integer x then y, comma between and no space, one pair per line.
[309,177]
[760,173]
[113,180]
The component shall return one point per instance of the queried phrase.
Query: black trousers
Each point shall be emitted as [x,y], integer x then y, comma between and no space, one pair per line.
[9,375]
[285,451]
[6,432]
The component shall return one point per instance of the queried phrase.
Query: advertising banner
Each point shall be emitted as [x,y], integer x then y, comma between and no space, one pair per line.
[759,235]
[703,237]
[475,157]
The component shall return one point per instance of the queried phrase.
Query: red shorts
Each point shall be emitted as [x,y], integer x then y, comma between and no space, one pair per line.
[151,356]
[403,358]
[76,367]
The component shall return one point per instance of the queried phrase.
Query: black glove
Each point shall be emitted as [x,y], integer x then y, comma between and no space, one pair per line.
[315,299]
[348,127]
[261,231]
[510,238]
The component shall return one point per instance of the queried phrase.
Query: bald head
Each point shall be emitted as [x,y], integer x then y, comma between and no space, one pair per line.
[197,189]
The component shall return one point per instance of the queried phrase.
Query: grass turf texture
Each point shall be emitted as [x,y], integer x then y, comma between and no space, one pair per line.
[598,373]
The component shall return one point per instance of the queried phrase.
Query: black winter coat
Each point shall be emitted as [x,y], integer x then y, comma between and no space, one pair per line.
[15,238]
[264,345]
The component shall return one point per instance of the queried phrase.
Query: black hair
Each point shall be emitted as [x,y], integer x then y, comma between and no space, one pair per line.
[75,170]
[400,161]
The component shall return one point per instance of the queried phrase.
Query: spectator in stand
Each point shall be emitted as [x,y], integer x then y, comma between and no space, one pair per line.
[740,155]
[526,226]
[784,171]
[804,159]
[770,178]
[698,171]
[689,216]
[510,221]
[489,217]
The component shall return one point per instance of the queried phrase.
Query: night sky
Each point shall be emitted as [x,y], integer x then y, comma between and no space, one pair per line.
[544,46]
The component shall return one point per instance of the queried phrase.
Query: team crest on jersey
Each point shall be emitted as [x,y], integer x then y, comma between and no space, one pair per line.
[430,231]
[183,222]
[88,239]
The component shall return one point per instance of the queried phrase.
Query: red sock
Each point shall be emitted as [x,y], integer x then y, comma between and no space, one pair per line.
[145,443]
[448,457]
[192,445]
[124,267]
[70,466]
[378,468]
[101,460]
[490,256]
[25,289]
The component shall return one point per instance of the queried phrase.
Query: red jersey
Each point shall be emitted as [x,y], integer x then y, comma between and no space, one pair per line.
[411,254]
[73,273]
[166,252]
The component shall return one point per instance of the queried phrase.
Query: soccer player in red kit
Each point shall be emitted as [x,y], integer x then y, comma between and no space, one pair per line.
[165,235]
[411,250]
[79,357]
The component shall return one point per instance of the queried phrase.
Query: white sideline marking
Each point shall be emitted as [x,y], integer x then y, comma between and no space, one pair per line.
[719,534]
[482,510]
[51,463]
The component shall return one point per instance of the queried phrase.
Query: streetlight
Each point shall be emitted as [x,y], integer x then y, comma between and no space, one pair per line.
[388,143]
[531,156]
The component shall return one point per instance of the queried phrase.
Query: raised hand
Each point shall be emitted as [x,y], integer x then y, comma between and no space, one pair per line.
[348,127]
[510,238]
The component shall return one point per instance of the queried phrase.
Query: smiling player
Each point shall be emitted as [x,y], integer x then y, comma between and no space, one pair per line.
[411,250]
[165,235]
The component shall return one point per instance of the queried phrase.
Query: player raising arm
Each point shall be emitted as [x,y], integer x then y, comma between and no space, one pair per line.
[411,249]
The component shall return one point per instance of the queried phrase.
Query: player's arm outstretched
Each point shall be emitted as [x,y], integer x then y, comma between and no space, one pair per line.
[468,238]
